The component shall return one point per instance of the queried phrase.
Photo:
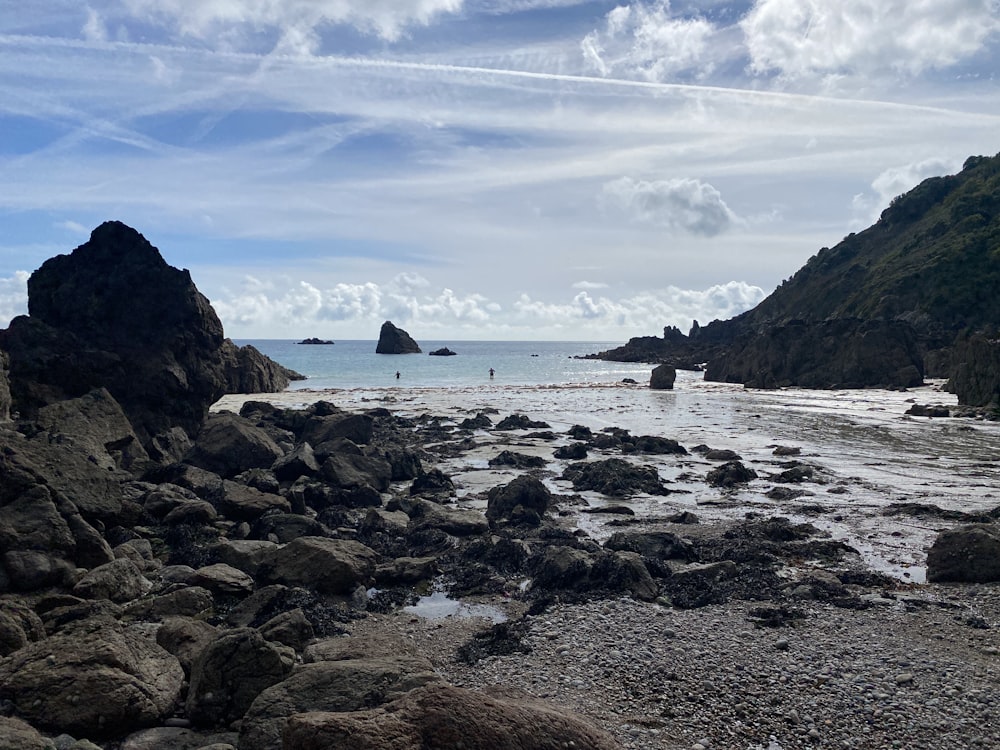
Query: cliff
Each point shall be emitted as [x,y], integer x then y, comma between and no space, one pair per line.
[930,264]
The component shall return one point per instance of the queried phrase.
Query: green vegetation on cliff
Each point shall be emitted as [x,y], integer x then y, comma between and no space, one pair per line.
[933,258]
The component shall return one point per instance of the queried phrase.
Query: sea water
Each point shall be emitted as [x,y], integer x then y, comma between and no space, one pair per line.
[867,451]
[354,364]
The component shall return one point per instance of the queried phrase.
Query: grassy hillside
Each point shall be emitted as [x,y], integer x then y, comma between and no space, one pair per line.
[933,258]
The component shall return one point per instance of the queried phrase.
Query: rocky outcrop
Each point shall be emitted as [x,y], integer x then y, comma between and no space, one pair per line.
[839,353]
[969,554]
[96,681]
[113,314]
[313,341]
[976,378]
[443,352]
[662,378]
[249,371]
[393,340]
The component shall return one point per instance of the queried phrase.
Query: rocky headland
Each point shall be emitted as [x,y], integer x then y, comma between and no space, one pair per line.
[179,577]
[912,296]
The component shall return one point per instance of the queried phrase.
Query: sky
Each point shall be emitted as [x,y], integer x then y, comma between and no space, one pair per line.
[479,169]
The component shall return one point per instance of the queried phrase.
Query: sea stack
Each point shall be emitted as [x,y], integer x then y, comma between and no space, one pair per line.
[393,340]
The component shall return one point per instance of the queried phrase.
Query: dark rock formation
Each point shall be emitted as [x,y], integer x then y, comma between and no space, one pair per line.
[249,371]
[976,378]
[92,681]
[522,501]
[443,352]
[730,474]
[316,342]
[113,314]
[393,340]
[969,554]
[663,377]
[840,353]
[615,477]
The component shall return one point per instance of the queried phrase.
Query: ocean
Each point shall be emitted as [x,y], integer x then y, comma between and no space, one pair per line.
[867,453]
[354,364]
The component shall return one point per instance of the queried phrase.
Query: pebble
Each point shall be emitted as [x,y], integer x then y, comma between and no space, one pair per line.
[868,678]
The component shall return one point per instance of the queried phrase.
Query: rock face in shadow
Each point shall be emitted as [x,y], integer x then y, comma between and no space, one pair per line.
[839,353]
[976,377]
[393,340]
[114,314]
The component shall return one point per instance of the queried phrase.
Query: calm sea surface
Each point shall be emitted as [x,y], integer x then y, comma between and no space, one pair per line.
[354,364]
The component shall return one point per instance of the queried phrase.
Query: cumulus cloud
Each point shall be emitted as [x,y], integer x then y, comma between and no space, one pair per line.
[589,285]
[14,295]
[646,311]
[283,308]
[816,37]
[647,41]
[681,204]
[297,21]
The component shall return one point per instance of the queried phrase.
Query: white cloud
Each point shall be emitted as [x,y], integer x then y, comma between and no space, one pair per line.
[646,41]
[93,30]
[297,21]
[14,295]
[685,204]
[589,285]
[284,308]
[808,37]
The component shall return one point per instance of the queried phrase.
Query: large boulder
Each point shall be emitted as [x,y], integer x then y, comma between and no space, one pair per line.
[439,716]
[95,680]
[228,445]
[95,426]
[522,501]
[969,553]
[835,353]
[19,735]
[346,685]
[662,378]
[393,340]
[112,313]
[229,673]
[327,566]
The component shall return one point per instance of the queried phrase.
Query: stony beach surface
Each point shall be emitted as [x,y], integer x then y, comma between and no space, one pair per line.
[917,668]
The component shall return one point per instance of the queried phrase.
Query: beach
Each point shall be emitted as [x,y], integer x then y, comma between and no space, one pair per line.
[903,664]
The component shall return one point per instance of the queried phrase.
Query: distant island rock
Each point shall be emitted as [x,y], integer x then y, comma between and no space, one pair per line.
[316,342]
[442,352]
[914,295]
[393,340]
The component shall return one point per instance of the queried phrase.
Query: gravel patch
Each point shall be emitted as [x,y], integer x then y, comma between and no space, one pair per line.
[917,669]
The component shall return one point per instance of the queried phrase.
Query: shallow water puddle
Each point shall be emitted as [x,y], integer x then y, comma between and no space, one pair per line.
[439,605]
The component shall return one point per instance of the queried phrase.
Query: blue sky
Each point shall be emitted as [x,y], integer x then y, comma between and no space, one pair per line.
[479,169]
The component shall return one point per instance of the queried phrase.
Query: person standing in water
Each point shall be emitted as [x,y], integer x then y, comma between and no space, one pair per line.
[397,374]
[492,373]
